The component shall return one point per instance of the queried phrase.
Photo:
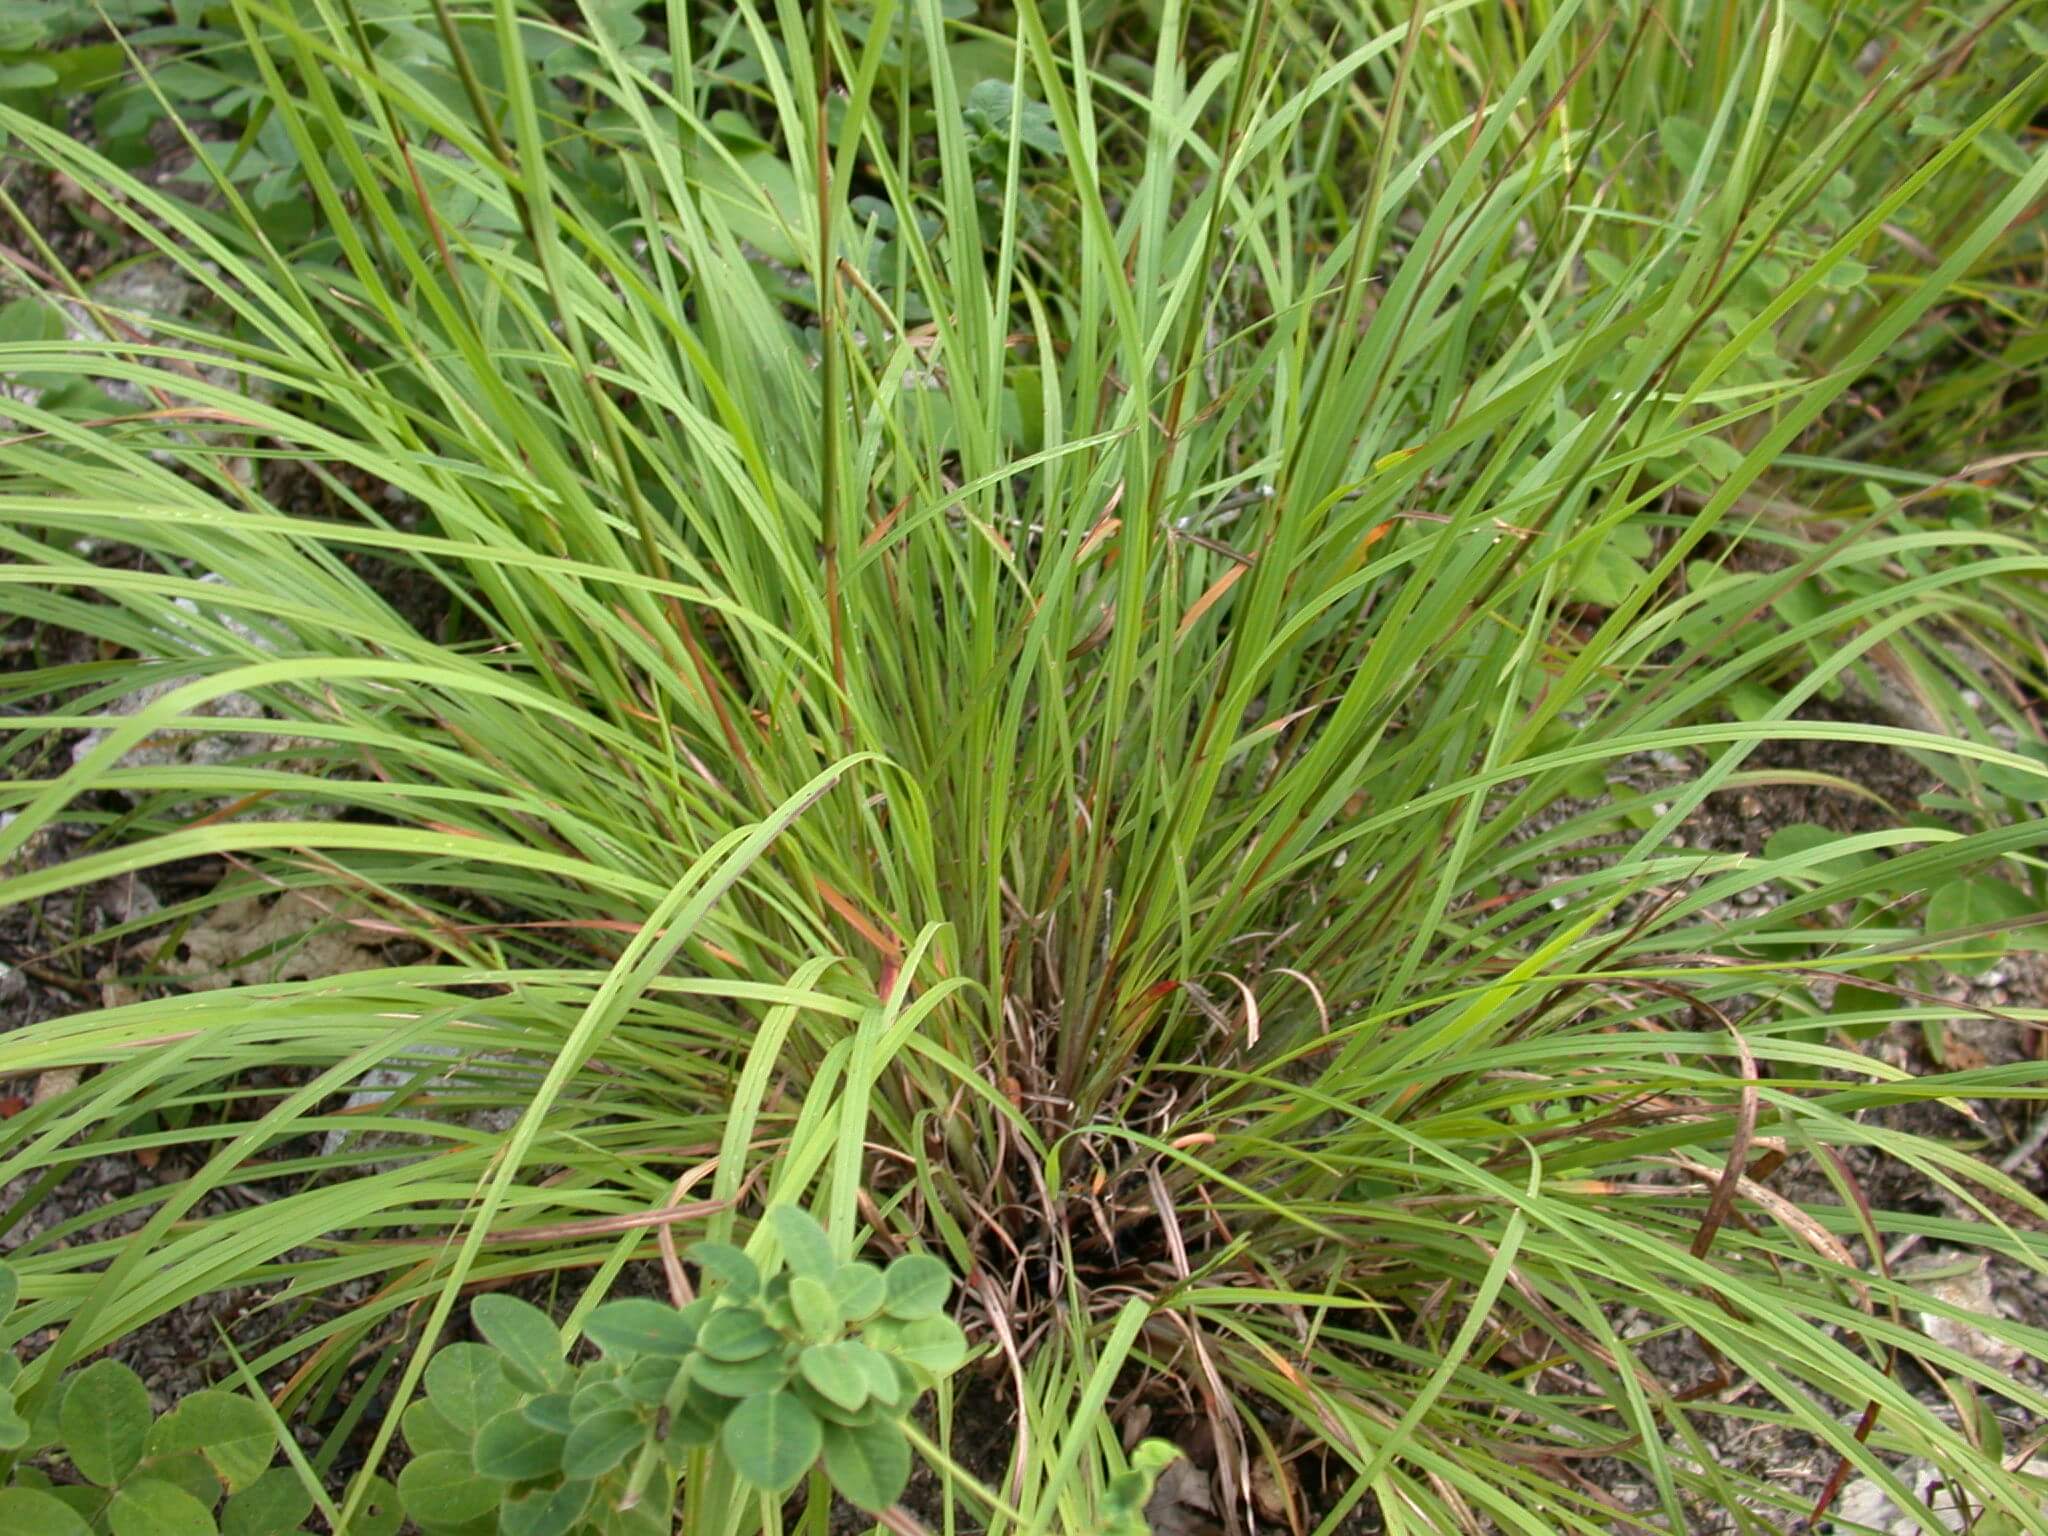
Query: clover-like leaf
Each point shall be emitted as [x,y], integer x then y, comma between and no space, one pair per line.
[829,1412]
[739,1378]
[378,1512]
[859,1289]
[1806,837]
[183,1469]
[444,1488]
[13,1427]
[601,1441]
[817,1314]
[649,1380]
[640,1326]
[551,1410]
[44,1514]
[771,1440]
[529,1342]
[732,1269]
[916,1286]
[596,1397]
[869,1464]
[884,1385]
[275,1503]
[232,1433]
[467,1383]
[692,1426]
[104,1420]
[148,1506]
[736,1333]
[805,1246]
[2030,783]
[1984,900]
[933,1345]
[545,1511]
[427,1430]
[514,1450]
[836,1371]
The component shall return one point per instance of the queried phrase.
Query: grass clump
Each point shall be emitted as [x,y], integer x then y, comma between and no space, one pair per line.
[1008,624]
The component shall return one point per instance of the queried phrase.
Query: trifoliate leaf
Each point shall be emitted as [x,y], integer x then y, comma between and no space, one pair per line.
[1684,141]
[104,1420]
[601,1441]
[2029,784]
[771,1440]
[427,1429]
[466,1382]
[379,1512]
[736,1274]
[31,1510]
[551,1411]
[859,1290]
[804,1244]
[736,1333]
[916,1286]
[835,1370]
[527,1340]
[513,1449]
[546,1511]
[148,1506]
[934,1345]
[640,1326]
[444,1488]
[868,1464]
[739,1378]
[1805,837]
[275,1503]
[817,1314]
[232,1433]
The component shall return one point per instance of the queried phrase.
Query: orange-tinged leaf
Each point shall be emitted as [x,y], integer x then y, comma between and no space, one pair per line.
[887,947]
[1208,599]
[1097,635]
[1101,531]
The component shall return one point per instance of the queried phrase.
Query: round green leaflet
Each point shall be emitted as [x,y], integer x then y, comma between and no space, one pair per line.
[444,1488]
[427,1429]
[836,1371]
[545,1511]
[151,1507]
[859,1289]
[804,1244]
[467,1385]
[735,1334]
[736,1274]
[934,1345]
[530,1343]
[379,1513]
[640,1326]
[817,1314]
[104,1420]
[276,1502]
[30,1509]
[601,1441]
[869,1464]
[917,1286]
[771,1440]
[514,1450]
[232,1433]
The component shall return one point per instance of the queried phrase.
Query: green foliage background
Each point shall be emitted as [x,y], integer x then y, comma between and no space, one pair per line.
[1029,617]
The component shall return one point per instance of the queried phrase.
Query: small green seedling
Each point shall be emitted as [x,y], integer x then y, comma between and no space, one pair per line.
[203,1469]
[821,1360]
